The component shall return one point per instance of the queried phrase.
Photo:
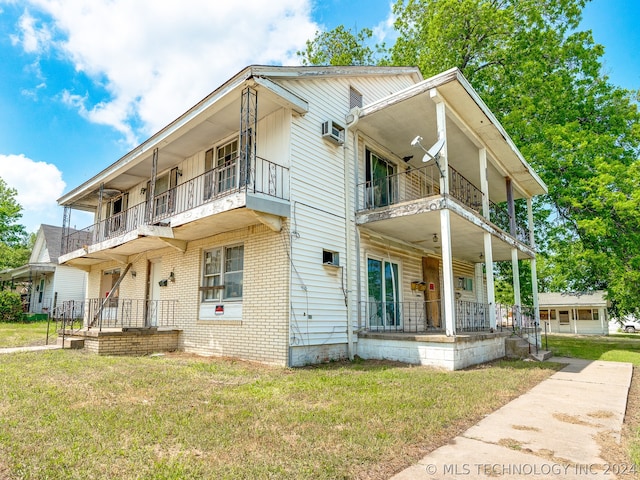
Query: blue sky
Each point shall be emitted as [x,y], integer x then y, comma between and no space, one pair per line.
[75,95]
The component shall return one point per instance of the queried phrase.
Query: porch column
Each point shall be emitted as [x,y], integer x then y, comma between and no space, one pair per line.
[534,273]
[514,251]
[449,305]
[491,293]
[488,249]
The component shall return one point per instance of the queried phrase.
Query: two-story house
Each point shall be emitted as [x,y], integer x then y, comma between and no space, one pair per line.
[301,214]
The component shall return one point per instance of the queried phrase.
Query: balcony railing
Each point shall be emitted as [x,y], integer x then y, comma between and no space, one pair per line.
[401,187]
[129,313]
[464,191]
[415,184]
[499,215]
[263,177]
[423,317]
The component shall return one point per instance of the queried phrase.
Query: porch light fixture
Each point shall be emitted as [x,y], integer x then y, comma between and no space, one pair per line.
[481,255]
[433,153]
[435,238]
[143,191]
[172,277]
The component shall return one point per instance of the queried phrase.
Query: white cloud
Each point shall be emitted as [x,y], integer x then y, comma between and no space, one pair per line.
[384,31]
[157,59]
[34,38]
[38,184]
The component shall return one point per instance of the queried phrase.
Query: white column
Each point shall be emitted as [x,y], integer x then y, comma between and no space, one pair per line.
[534,273]
[488,250]
[449,305]
[491,294]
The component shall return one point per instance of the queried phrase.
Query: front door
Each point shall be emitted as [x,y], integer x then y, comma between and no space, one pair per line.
[384,305]
[153,291]
[431,277]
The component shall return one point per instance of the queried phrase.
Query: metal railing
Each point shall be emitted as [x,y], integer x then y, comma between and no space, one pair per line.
[413,184]
[522,322]
[464,191]
[261,177]
[499,215]
[423,316]
[129,313]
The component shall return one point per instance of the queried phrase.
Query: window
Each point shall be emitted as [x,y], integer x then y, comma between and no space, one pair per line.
[222,274]
[465,283]
[381,181]
[587,314]
[226,163]
[564,317]
[116,211]
[163,191]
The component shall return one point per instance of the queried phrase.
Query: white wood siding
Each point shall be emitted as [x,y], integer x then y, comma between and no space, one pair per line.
[69,283]
[319,313]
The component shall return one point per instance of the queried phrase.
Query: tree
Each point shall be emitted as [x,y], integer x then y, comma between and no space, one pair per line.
[543,79]
[339,47]
[14,248]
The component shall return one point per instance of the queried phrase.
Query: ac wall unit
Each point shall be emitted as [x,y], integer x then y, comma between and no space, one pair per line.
[333,132]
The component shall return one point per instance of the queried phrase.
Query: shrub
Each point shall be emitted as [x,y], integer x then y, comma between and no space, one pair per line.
[10,307]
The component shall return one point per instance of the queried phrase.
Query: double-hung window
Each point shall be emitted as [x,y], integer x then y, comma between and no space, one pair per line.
[222,274]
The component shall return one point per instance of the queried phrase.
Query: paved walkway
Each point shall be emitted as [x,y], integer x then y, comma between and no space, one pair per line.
[549,432]
[37,348]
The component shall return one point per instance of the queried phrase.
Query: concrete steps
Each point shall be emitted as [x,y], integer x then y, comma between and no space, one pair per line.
[517,347]
[71,342]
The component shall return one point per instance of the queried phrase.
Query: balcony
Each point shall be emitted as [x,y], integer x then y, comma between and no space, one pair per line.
[265,185]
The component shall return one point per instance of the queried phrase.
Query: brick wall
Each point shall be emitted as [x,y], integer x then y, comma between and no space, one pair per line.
[260,333]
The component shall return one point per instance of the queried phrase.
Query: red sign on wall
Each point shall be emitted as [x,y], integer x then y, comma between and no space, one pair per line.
[432,287]
[219,309]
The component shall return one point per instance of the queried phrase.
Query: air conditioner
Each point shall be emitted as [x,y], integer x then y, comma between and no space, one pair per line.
[333,132]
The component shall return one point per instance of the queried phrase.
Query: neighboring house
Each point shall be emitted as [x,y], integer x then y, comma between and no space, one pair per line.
[578,313]
[288,218]
[43,283]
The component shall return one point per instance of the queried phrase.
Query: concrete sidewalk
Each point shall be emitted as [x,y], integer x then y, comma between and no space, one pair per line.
[550,431]
[36,348]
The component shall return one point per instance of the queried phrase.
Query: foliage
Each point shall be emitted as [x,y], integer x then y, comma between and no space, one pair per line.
[339,47]
[543,79]
[10,306]
[26,334]
[14,248]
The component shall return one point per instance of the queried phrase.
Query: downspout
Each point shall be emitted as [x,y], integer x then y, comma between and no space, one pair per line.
[352,120]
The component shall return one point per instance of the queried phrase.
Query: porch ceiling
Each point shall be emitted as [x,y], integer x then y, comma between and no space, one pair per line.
[467,239]
[396,120]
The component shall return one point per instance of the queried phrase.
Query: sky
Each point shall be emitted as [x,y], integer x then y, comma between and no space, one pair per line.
[82,82]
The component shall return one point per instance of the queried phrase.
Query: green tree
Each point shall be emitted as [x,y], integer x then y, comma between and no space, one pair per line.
[339,47]
[14,247]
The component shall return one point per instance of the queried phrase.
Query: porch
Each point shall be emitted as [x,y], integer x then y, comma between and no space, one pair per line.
[412,332]
[119,326]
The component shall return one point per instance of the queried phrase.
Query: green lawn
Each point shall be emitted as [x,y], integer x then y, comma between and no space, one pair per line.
[616,348]
[25,334]
[66,414]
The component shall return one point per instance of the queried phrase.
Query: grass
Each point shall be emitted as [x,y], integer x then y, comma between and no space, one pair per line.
[615,348]
[66,414]
[25,334]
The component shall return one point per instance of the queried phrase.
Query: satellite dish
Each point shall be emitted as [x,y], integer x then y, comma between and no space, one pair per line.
[434,152]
